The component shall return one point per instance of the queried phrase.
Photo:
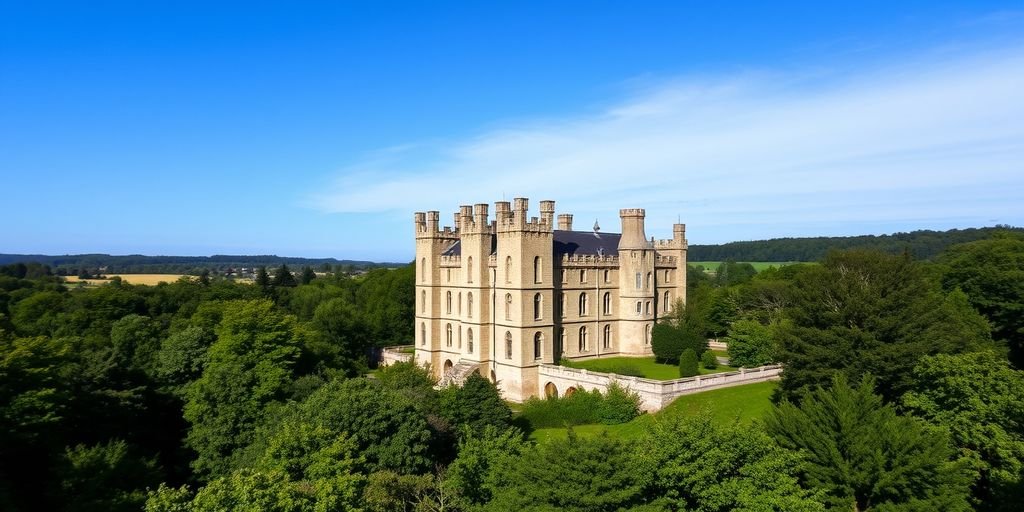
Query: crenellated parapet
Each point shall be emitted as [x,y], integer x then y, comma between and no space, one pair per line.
[589,260]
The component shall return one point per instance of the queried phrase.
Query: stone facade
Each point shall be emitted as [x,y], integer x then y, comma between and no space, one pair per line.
[502,297]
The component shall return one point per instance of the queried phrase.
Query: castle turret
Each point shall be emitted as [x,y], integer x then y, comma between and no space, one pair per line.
[633,236]
[547,212]
[636,283]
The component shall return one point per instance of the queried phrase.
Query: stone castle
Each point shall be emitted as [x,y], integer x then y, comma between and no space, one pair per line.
[501,297]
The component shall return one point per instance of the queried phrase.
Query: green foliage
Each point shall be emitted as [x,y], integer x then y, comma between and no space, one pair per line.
[182,356]
[249,368]
[308,275]
[476,404]
[702,467]
[169,499]
[864,313]
[619,405]
[387,491]
[991,273]
[861,454]
[980,399]
[572,474]
[483,458]
[582,407]
[283,277]
[708,360]
[666,342]
[731,273]
[688,363]
[105,477]
[752,344]
[136,339]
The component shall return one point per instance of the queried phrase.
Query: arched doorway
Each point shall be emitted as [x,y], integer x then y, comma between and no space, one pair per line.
[550,390]
[570,391]
[447,365]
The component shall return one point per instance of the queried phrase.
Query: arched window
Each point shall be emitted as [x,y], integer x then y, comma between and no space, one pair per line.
[423,301]
[448,302]
[423,333]
[469,304]
[607,303]
[508,269]
[583,339]
[538,345]
[508,306]
[538,306]
[648,280]
[647,335]
[667,300]
[448,335]
[639,282]
[583,276]
[583,304]
[460,304]
[508,345]
[607,340]
[538,271]
[423,269]
[469,269]
[469,340]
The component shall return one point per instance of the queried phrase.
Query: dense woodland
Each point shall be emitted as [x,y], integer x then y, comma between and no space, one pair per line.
[923,244]
[901,391]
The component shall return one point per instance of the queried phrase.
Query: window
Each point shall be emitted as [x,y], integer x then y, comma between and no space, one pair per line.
[666,301]
[423,301]
[469,269]
[607,340]
[460,304]
[460,337]
[448,301]
[639,308]
[508,306]
[563,277]
[448,275]
[607,276]
[639,283]
[469,304]
[561,339]
[448,335]
[538,306]
[561,308]
[423,333]
[606,305]
[508,345]
[538,345]
[538,270]
[469,340]
[583,339]
[668,276]
[647,335]
[583,304]
[423,269]
[583,276]
[508,269]
[648,280]
[647,308]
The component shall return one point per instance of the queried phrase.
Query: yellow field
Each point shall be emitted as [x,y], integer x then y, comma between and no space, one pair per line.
[149,279]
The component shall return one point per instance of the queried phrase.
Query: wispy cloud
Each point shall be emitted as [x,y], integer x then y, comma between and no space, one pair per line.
[938,138]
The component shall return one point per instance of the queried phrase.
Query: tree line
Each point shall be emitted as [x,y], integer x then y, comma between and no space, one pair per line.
[74,264]
[901,391]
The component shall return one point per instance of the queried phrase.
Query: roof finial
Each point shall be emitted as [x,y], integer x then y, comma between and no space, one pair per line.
[596,226]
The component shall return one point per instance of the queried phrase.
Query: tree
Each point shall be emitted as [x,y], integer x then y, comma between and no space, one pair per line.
[283,277]
[752,344]
[861,454]
[105,477]
[701,467]
[249,368]
[731,273]
[666,342]
[978,397]
[136,339]
[864,313]
[182,356]
[308,275]
[708,360]
[484,456]
[263,279]
[991,273]
[476,404]
[688,363]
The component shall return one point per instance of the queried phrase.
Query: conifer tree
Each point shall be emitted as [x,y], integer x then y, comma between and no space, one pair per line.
[688,363]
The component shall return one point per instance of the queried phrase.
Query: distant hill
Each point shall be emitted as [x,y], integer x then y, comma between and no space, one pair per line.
[139,264]
[924,244]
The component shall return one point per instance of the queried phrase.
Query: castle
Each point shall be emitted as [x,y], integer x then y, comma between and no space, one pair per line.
[502,297]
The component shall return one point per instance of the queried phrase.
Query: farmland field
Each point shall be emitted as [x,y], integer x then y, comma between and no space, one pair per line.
[711,266]
[149,279]
[743,404]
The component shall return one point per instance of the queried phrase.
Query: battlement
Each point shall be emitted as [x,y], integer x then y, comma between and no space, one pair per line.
[573,260]
[475,220]
[451,261]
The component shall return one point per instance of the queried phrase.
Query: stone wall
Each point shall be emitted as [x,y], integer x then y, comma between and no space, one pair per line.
[655,394]
[392,355]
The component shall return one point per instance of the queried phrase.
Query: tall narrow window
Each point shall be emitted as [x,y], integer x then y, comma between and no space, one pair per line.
[563,277]
[423,301]
[607,340]
[448,302]
[448,335]
[460,337]
[639,282]
[469,304]
[668,276]
[538,270]
[607,303]
[469,340]
[423,269]
[561,307]
[448,275]
[648,280]
[538,345]
[508,345]
[508,306]
[469,269]
[647,308]
[639,308]
[562,335]
[460,304]
[607,276]
[647,335]
[538,306]
[508,269]
[583,304]
[583,339]
[423,333]
[664,309]
[583,276]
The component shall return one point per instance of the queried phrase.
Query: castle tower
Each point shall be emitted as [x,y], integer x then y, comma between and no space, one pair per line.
[636,284]
[430,242]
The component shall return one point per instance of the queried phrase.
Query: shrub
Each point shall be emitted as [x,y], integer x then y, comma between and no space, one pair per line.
[688,363]
[666,342]
[582,407]
[708,360]
[619,405]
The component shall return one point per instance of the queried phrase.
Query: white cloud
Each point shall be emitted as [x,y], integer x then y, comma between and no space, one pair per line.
[936,138]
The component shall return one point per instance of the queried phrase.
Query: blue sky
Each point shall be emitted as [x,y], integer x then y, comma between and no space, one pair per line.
[316,129]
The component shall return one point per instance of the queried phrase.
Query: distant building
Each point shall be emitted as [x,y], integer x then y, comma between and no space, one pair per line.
[500,297]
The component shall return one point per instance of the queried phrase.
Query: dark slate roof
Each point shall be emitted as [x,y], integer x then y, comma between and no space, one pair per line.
[572,243]
[576,243]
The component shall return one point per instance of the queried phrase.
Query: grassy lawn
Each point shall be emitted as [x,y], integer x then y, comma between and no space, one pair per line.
[645,365]
[720,353]
[744,404]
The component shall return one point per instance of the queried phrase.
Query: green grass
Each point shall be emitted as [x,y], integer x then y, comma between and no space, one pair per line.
[745,404]
[720,353]
[711,266]
[646,366]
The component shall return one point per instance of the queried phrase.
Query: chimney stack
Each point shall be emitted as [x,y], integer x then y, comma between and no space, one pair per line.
[565,222]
